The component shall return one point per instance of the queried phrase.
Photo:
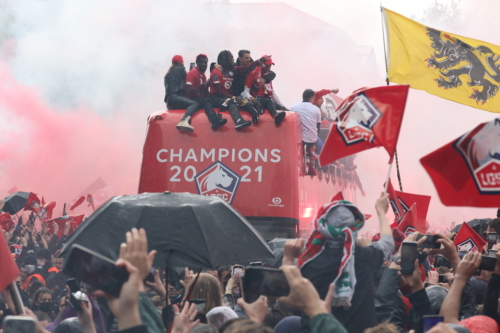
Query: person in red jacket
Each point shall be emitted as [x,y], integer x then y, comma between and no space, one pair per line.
[196,87]
[259,89]
[220,89]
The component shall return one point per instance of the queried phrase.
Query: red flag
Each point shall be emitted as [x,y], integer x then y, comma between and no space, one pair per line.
[8,266]
[399,212]
[368,118]
[467,239]
[410,223]
[13,190]
[74,221]
[6,222]
[367,217]
[45,212]
[406,200]
[33,203]
[337,197]
[77,203]
[466,171]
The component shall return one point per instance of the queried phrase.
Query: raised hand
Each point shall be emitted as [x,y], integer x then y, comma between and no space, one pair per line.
[135,251]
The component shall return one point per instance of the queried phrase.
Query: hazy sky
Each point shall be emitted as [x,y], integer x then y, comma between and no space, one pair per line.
[79,78]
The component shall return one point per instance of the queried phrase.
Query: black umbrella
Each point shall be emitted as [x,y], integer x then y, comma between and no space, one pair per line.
[15,202]
[473,224]
[277,245]
[186,230]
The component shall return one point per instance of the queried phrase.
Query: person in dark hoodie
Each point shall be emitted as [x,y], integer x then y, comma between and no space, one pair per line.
[44,265]
[175,94]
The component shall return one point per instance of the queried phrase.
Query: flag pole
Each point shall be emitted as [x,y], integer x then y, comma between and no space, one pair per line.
[387,178]
[16,298]
[384,30]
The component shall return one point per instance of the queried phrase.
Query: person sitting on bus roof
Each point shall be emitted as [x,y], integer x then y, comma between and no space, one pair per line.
[220,89]
[243,59]
[259,89]
[310,118]
[197,90]
[175,93]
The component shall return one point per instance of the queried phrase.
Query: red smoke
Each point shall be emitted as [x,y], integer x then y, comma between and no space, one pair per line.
[57,153]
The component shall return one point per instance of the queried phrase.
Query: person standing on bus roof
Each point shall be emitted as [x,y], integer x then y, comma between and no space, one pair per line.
[175,92]
[259,88]
[220,89]
[310,118]
[197,90]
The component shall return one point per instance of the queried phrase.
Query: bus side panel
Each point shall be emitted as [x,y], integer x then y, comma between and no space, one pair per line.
[255,170]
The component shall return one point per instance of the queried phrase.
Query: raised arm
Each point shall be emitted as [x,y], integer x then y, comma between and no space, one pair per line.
[451,304]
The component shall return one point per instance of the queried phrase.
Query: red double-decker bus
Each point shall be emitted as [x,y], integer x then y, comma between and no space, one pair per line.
[260,170]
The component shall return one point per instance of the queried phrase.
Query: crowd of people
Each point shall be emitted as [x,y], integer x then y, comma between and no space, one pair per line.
[242,85]
[339,282]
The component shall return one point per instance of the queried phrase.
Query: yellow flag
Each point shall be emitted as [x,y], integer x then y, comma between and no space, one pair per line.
[461,69]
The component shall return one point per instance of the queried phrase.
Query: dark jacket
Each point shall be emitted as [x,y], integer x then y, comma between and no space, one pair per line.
[174,82]
[491,299]
[326,322]
[388,303]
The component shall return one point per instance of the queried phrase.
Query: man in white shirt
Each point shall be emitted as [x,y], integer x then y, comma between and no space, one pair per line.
[310,118]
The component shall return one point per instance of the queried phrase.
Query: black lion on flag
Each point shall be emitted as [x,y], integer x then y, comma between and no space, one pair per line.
[453,51]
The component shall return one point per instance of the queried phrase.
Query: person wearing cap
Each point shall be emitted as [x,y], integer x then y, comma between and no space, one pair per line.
[197,90]
[175,94]
[221,81]
[259,88]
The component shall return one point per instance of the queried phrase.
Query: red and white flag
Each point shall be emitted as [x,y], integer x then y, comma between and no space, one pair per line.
[406,200]
[8,268]
[6,222]
[45,212]
[98,192]
[467,239]
[395,204]
[74,222]
[33,203]
[410,223]
[369,118]
[466,171]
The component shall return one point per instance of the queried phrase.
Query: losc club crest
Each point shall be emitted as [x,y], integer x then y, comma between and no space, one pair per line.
[356,120]
[409,230]
[468,245]
[480,149]
[219,181]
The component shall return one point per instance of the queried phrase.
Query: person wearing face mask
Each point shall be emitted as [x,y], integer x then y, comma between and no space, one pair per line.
[43,302]
[29,265]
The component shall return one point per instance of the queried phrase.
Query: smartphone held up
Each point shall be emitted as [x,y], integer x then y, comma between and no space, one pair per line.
[264,281]
[100,272]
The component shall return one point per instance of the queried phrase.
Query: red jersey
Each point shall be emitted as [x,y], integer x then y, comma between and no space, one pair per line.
[224,80]
[194,83]
[256,88]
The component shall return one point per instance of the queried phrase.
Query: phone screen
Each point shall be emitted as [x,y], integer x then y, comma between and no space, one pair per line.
[98,271]
[442,279]
[14,324]
[408,257]
[200,305]
[492,239]
[488,263]
[430,242]
[264,281]
[431,321]
[236,273]
[73,285]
